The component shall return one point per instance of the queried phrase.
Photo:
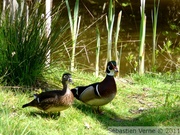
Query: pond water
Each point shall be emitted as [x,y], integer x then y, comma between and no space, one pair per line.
[93,15]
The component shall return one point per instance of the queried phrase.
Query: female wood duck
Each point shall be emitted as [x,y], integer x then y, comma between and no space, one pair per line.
[100,93]
[56,100]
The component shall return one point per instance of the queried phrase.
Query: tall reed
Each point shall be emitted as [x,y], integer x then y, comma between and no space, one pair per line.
[119,60]
[48,26]
[97,52]
[109,25]
[154,15]
[74,26]
[142,38]
[116,40]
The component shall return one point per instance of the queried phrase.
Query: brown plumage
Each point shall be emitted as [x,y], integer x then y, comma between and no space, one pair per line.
[56,100]
[100,93]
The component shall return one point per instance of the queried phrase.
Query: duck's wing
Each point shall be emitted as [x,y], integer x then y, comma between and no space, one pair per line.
[41,100]
[47,96]
[86,93]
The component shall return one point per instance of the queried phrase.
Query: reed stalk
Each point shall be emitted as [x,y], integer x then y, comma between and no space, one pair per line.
[109,25]
[142,38]
[48,27]
[154,15]
[119,61]
[74,26]
[3,11]
[13,9]
[116,38]
[97,52]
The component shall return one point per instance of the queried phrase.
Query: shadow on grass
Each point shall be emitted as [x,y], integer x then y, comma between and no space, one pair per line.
[108,118]
[167,116]
[42,114]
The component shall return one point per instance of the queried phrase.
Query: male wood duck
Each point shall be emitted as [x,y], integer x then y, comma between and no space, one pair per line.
[99,93]
[56,100]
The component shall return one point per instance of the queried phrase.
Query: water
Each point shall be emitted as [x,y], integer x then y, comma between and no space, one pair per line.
[93,16]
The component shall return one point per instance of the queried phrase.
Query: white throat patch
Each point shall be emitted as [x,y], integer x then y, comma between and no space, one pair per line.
[111,73]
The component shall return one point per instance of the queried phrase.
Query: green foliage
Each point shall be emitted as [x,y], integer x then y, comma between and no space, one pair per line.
[170,54]
[131,58]
[171,100]
[125,4]
[23,48]
[173,18]
[167,46]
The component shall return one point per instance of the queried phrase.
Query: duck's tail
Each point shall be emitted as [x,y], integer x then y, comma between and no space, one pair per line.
[25,105]
[33,103]
[75,93]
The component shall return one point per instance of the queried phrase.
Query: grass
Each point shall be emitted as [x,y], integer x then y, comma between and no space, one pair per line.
[148,100]
[24,46]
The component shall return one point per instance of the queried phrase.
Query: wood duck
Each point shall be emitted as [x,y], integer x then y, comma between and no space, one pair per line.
[99,93]
[56,100]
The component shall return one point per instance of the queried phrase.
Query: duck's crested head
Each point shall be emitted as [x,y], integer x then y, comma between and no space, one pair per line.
[111,68]
[66,77]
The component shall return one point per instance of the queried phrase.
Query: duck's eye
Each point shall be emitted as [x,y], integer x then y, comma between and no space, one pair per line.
[112,65]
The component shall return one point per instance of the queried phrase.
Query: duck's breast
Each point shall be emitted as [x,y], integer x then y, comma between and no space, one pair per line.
[101,101]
